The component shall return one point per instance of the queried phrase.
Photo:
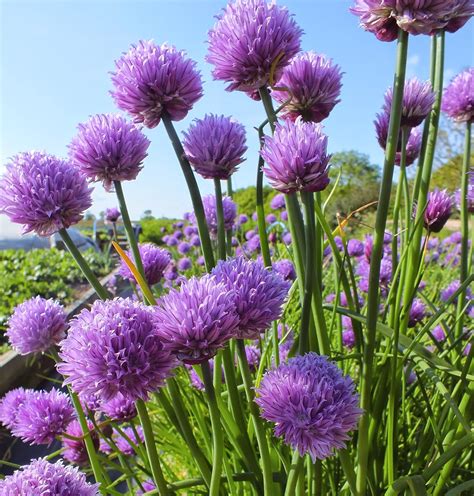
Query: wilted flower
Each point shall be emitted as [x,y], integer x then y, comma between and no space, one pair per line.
[417,312]
[75,450]
[458,97]
[154,259]
[114,348]
[296,157]
[285,268]
[230,212]
[259,293]
[215,146]
[252,39]
[9,406]
[36,325]
[151,80]
[312,404]
[312,83]
[198,319]
[112,214]
[43,193]
[41,477]
[108,148]
[418,98]
[438,210]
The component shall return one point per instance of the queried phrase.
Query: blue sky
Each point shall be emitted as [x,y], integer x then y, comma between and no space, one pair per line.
[56,57]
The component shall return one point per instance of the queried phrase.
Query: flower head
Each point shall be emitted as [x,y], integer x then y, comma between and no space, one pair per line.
[75,450]
[114,348]
[439,334]
[438,210]
[252,40]
[355,248]
[458,97]
[112,214]
[312,404]
[210,211]
[285,268]
[278,202]
[259,293]
[152,79]
[154,259]
[417,312]
[215,146]
[198,319]
[41,477]
[120,408]
[43,193]
[418,98]
[313,85]
[184,263]
[36,325]
[42,416]
[9,406]
[296,157]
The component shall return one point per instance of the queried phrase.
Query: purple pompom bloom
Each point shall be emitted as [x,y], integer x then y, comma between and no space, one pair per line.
[284,215]
[198,319]
[439,334]
[184,264]
[417,312]
[215,146]
[152,79]
[253,354]
[123,445]
[9,406]
[312,404]
[120,408]
[230,212]
[438,210]
[449,291]
[195,240]
[278,202]
[112,214]
[314,86]
[108,148]
[348,338]
[286,269]
[458,97]
[41,477]
[114,348]
[36,325]
[154,259]
[242,219]
[286,238]
[259,293]
[270,218]
[43,193]
[251,39]
[184,248]
[42,416]
[418,98]
[75,450]
[296,157]
[355,248]
[171,241]
[253,244]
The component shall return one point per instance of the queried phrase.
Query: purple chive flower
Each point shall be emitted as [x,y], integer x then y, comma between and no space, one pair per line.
[114,348]
[75,449]
[195,240]
[184,263]
[460,12]
[313,85]
[296,157]
[251,39]
[41,477]
[9,406]
[190,231]
[439,334]
[255,217]
[112,214]
[418,98]
[123,445]
[154,259]
[348,338]
[42,416]
[215,146]
[312,404]
[458,97]
[120,408]
[286,238]
[178,234]
[449,291]
[417,312]
[151,80]
[250,234]
[278,202]
[171,241]
[184,248]
[242,219]
[36,325]
[196,381]
[259,293]
[230,212]
[284,215]
[438,210]
[108,148]
[253,244]
[285,268]
[270,218]
[201,261]
[43,193]
[253,355]
[355,248]
[198,319]
[273,237]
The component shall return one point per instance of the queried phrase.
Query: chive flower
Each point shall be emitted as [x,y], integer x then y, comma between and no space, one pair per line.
[458,97]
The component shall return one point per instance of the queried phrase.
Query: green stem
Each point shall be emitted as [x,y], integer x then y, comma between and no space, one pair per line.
[464,230]
[217,435]
[86,270]
[377,252]
[262,228]
[221,248]
[153,457]
[293,474]
[193,188]
[257,422]
[127,224]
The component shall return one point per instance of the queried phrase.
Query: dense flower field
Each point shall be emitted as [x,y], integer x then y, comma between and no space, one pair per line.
[283,358]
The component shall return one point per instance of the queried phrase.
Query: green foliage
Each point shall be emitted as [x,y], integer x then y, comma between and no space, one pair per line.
[152,229]
[246,199]
[448,175]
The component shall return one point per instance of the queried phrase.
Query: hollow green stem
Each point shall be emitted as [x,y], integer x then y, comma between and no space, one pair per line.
[193,188]
[262,228]
[86,270]
[296,467]
[221,248]
[217,434]
[377,252]
[150,445]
